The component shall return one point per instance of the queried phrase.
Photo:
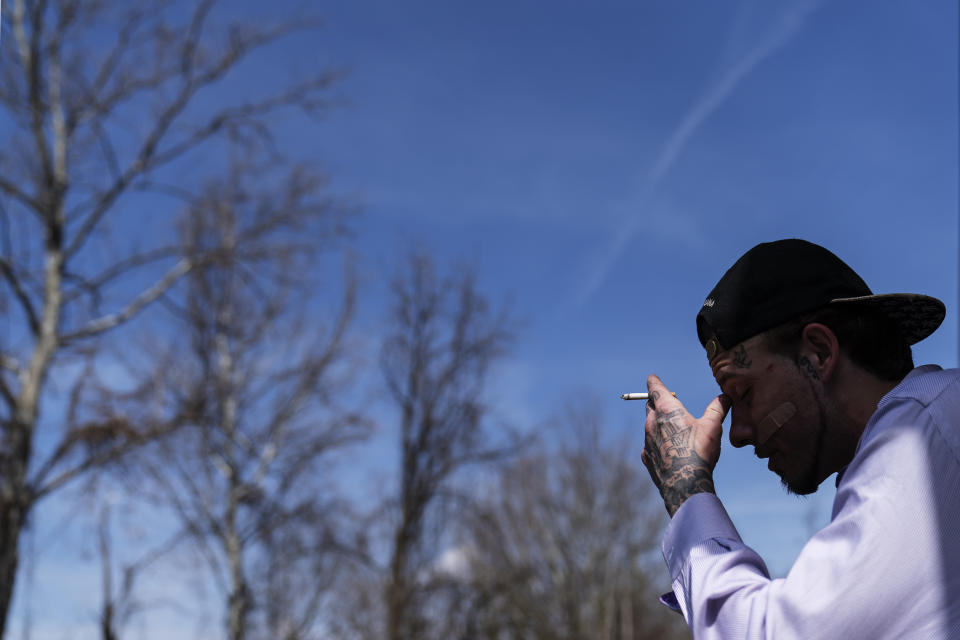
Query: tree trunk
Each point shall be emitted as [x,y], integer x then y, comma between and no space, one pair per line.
[397,589]
[15,498]
[12,515]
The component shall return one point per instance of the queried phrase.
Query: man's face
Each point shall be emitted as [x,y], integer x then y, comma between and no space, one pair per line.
[778,407]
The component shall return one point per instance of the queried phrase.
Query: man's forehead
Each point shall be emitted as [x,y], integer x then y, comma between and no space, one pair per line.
[735,361]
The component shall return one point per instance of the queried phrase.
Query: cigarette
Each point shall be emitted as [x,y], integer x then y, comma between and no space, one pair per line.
[641,396]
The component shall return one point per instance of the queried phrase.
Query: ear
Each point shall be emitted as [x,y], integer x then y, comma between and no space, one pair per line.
[820,347]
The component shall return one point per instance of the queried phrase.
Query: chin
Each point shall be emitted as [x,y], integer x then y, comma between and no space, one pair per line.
[801,487]
[802,481]
[798,490]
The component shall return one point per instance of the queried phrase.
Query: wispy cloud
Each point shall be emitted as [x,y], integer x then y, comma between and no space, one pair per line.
[727,80]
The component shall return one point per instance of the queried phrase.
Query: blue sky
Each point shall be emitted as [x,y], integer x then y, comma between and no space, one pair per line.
[602,164]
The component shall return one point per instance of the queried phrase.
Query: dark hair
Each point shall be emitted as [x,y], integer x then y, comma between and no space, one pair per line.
[870,338]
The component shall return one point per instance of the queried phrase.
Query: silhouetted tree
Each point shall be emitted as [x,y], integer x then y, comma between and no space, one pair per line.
[442,340]
[562,546]
[258,391]
[104,104]
[120,603]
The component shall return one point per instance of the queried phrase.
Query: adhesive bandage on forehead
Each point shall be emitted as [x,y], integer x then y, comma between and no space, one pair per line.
[774,421]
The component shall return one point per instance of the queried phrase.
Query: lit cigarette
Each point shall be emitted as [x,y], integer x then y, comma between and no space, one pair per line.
[641,396]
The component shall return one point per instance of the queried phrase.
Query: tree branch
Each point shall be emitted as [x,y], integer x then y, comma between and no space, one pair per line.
[29,51]
[7,393]
[91,435]
[16,193]
[150,158]
[121,268]
[110,321]
[22,297]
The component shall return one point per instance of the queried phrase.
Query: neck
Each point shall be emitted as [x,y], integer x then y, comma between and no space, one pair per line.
[864,391]
[855,395]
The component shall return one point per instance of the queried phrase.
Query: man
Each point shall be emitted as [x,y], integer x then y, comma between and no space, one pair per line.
[818,376]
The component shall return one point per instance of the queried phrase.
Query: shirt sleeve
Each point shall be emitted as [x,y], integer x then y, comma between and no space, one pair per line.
[856,578]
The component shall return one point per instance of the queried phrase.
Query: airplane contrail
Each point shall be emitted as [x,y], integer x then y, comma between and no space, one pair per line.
[716,94]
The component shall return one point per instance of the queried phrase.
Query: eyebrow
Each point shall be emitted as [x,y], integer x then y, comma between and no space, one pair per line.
[724,377]
[717,369]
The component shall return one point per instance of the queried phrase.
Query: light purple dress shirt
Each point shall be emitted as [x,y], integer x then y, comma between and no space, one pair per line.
[887,565]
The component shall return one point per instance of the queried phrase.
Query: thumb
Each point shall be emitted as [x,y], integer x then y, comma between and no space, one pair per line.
[716,411]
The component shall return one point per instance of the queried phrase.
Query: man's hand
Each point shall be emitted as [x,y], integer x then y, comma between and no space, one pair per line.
[680,451]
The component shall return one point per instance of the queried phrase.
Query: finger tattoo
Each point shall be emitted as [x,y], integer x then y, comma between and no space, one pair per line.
[675,433]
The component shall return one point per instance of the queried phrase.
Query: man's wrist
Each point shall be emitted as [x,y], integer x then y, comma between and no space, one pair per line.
[687,481]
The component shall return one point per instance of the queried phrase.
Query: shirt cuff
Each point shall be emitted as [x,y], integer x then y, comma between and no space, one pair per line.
[701,517]
[670,600]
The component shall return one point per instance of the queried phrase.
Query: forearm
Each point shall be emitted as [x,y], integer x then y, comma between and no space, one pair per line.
[721,584]
[840,586]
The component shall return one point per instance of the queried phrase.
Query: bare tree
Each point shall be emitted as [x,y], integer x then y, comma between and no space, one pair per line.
[259,391]
[120,603]
[103,101]
[443,338]
[563,546]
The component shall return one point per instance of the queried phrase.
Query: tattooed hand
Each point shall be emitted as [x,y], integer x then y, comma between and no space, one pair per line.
[680,451]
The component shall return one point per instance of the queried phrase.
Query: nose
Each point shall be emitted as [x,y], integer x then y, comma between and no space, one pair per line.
[742,431]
